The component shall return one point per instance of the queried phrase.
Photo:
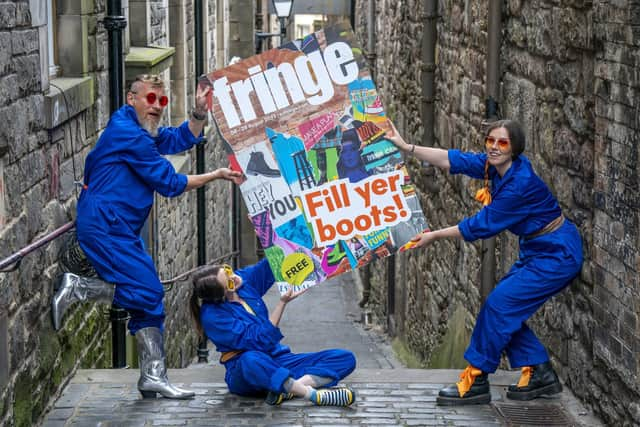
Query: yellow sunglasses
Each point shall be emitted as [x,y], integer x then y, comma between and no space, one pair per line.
[231,284]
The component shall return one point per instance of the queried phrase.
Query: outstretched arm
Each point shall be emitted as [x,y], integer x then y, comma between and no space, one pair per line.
[195,181]
[435,156]
[427,237]
[276,314]
[199,115]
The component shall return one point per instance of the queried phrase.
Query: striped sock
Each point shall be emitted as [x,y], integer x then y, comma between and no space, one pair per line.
[342,396]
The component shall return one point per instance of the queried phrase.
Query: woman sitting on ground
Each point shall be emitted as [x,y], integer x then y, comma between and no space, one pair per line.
[228,309]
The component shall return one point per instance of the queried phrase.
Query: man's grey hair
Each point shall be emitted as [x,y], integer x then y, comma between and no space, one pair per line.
[151,79]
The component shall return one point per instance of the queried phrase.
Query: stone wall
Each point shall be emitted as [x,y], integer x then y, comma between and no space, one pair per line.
[159,23]
[614,383]
[569,74]
[425,297]
[177,222]
[40,166]
[241,28]
[178,248]
[48,128]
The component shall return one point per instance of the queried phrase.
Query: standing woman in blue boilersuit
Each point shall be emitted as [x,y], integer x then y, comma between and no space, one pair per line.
[550,258]
[228,309]
[121,175]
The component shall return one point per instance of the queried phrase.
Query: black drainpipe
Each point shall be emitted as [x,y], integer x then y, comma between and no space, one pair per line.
[371,57]
[391,260]
[236,216]
[352,16]
[429,17]
[429,36]
[203,352]
[115,22]
[494,28]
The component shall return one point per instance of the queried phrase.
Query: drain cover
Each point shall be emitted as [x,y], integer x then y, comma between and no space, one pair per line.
[533,415]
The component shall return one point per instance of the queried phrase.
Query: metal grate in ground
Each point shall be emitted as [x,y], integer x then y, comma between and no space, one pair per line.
[525,415]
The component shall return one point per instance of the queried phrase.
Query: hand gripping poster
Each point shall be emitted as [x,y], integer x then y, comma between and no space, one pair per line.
[326,192]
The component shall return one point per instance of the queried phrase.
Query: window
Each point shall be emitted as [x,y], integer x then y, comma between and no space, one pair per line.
[65,65]
[302,30]
[52,56]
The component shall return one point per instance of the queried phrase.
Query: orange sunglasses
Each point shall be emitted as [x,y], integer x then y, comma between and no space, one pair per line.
[231,285]
[504,144]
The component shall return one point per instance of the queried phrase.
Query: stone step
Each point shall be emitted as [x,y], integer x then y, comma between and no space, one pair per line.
[215,373]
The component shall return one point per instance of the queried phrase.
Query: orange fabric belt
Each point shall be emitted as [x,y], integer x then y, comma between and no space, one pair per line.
[549,228]
[228,355]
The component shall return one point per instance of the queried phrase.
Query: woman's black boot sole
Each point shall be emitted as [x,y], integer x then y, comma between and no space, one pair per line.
[459,401]
[546,390]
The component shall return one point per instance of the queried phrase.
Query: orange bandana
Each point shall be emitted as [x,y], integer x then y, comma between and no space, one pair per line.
[483,195]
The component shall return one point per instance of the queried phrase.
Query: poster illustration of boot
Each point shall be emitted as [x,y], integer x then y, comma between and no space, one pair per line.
[324,188]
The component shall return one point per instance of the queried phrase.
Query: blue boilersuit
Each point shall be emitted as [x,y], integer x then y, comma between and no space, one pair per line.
[522,204]
[264,363]
[121,175]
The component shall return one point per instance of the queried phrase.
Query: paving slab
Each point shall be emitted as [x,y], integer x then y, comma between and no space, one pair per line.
[387,393]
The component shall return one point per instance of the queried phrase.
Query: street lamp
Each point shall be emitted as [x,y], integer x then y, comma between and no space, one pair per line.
[283,10]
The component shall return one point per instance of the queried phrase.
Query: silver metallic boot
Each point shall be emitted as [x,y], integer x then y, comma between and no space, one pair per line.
[73,288]
[153,371]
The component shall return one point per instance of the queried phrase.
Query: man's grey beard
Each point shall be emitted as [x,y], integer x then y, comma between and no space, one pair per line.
[150,127]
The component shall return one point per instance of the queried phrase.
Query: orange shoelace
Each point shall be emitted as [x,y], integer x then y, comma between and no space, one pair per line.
[525,376]
[483,195]
[467,377]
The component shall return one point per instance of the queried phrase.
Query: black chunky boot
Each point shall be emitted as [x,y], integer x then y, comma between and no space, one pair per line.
[258,166]
[535,381]
[472,389]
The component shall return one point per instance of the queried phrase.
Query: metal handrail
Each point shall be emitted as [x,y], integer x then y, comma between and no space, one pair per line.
[118,316]
[16,258]
[185,276]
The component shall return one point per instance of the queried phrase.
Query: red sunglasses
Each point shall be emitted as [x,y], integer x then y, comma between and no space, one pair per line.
[503,143]
[152,98]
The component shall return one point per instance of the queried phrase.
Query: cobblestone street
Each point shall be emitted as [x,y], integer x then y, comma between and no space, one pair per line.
[402,397]
[387,394]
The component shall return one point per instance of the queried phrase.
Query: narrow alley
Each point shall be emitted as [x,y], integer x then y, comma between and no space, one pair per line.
[387,393]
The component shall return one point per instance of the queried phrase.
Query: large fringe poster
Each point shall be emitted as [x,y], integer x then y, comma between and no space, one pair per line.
[326,192]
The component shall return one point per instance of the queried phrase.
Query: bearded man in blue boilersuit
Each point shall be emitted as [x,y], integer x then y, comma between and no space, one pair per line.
[122,173]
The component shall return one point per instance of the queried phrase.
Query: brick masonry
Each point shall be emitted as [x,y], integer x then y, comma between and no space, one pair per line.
[569,74]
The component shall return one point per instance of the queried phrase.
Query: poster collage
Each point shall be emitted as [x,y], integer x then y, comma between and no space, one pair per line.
[325,190]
